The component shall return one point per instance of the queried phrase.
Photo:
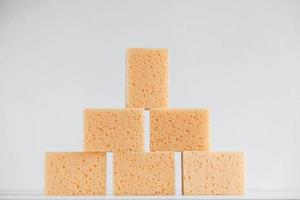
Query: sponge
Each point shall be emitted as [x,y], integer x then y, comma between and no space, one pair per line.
[179,129]
[138,173]
[113,130]
[75,173]
[213,173]
[147,78]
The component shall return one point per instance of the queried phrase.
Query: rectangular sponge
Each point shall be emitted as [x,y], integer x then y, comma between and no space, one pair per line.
[147,78]
[179,130]
[75,173]
[137,173]
[113,130]
[213,173]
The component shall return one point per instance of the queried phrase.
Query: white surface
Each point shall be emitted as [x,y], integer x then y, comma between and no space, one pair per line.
[109,173]
[178,174]
[255,194]
[238,58]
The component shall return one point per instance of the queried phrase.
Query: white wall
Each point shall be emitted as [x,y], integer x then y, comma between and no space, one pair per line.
[241,59]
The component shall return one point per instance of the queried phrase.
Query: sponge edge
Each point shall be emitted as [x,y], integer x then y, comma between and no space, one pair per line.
[114,130]
[75,173]
[147,78]
[213,173]
[137,173]
[179,130]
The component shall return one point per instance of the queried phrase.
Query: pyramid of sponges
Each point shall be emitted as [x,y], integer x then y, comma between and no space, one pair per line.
[121,131]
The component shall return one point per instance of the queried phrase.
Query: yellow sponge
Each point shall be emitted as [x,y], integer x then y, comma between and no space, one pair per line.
[75,173]
[137,173]
[113,130]
[213,173]
[179,130]
[147,78]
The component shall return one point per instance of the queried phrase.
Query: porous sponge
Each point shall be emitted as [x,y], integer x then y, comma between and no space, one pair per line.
[179,130]
[113,130]
[213,173]
[75,173]
[147,78]
[148,173]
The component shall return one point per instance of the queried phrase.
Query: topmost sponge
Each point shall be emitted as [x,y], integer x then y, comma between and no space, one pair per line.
[147,78]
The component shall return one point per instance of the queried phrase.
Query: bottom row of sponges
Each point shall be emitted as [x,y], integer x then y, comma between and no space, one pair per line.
[145,173]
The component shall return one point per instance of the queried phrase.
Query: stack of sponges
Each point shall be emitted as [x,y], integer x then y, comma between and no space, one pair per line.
[121,131]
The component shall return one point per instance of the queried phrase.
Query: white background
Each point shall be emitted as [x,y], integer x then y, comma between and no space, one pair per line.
[241,59]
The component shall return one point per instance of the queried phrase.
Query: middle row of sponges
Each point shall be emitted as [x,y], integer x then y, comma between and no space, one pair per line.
[118,130]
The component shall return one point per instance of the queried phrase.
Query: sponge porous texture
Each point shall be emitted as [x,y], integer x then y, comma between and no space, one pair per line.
[149,173]
[213,173]
[147,78]
[75,173]
[179,130]
[113,130]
